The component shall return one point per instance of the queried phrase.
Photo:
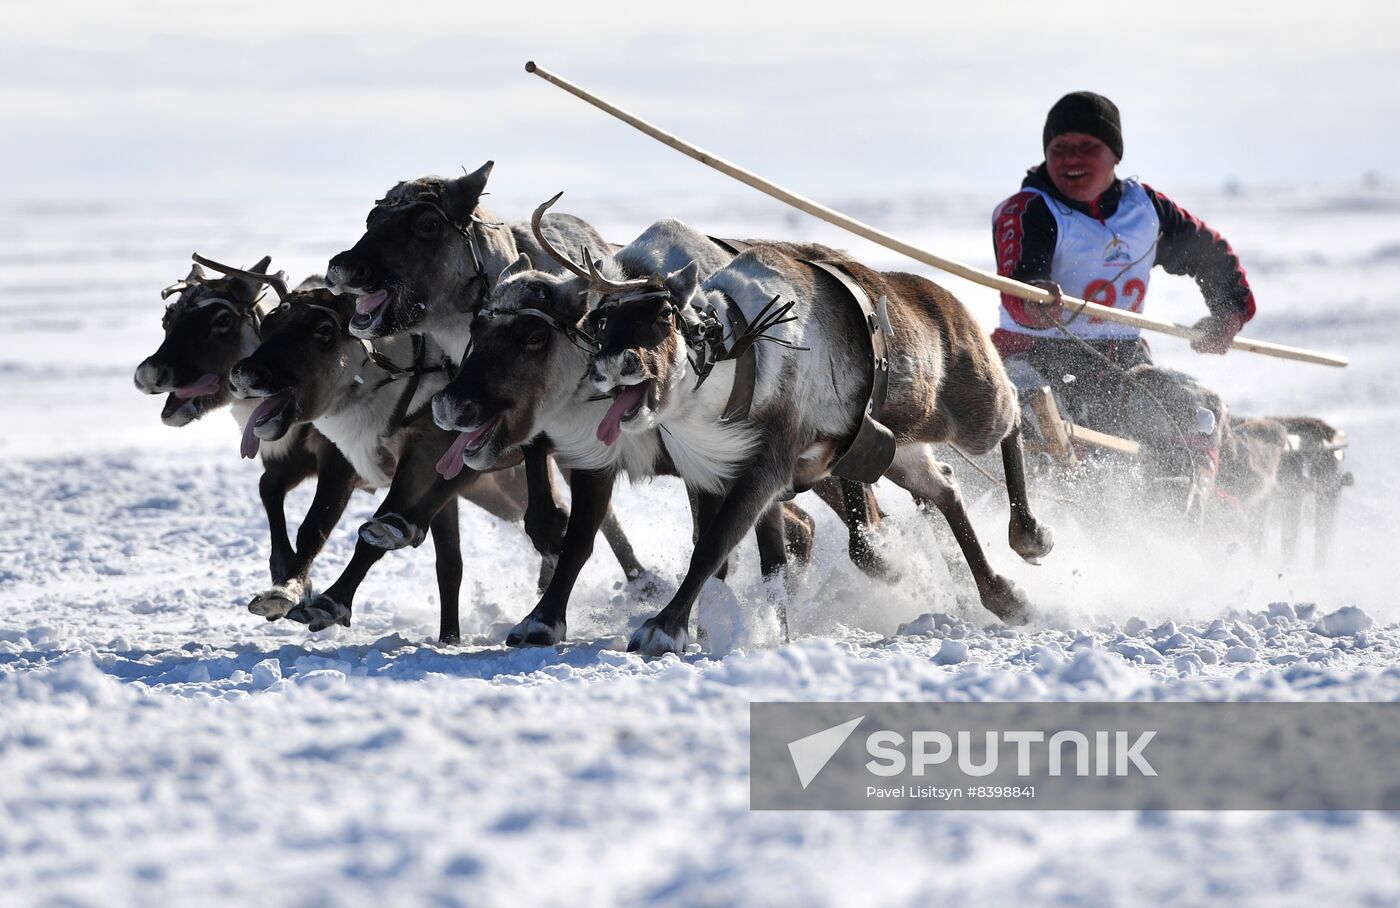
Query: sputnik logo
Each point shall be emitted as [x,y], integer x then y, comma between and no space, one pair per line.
[811,754]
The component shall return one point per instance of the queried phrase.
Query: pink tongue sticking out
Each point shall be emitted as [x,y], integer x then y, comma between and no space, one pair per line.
[270,405]
[367,304]
[451,463]
[610,429]
[207,384]
[249,447]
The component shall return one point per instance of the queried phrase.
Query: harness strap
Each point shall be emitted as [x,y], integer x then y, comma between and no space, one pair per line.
[745,367]
[869,454]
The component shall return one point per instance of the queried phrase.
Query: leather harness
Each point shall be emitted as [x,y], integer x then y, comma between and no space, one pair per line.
[868,454]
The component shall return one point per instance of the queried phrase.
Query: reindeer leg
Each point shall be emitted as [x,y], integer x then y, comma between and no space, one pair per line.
[1290,521]
[771,531]
[931,482]
[856,505]
[415,497]
[547,622]
[272,489]
[799,534]
[447,549]
[1029,538]
[335,482]
[703,508]
[616,538]
[418,493]
[749,495]
[621,546]
[1325,520]
[546,519]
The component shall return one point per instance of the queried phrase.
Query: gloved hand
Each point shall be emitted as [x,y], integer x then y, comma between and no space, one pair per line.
[1215,332]
[1044,315]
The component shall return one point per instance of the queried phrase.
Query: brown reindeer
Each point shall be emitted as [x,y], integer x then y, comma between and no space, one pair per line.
[211,324]
[523,376]
[813,386]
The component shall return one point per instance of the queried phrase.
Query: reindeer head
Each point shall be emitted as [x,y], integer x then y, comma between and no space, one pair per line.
[208,328]
[641,359]
[305,366]
[527,358]
[419,261]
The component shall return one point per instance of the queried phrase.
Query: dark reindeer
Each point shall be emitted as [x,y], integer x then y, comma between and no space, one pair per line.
[371,402]
[1311,469]
[212,324]
[425,264]
[945,384]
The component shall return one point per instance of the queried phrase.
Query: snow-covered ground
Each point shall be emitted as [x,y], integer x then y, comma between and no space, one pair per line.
[160,745]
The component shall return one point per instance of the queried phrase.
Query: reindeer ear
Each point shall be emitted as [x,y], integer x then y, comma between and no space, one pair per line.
[684,283]
[244,290]
[462,194]
[519,266]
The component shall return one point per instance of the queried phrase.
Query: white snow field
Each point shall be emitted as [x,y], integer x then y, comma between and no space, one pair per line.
[159,745]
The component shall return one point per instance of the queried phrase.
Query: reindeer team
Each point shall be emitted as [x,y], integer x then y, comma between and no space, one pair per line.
[450,355]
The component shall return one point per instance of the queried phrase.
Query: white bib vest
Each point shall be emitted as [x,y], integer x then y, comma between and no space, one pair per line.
[1107,262]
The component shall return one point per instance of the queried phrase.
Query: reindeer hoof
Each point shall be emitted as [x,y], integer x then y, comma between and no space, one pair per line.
[390,532]
[532,632]
[320,613]
[651,640]
[1005,600]
[276,602]
[871,563]
[1032,541]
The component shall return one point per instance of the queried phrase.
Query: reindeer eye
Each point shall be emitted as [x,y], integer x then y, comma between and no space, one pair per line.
[664,316]
[536,339]
[223,321]
[428,226]
[325,332]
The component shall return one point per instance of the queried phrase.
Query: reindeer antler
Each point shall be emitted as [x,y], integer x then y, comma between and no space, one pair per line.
[596,279]
[555,254]
[277,281]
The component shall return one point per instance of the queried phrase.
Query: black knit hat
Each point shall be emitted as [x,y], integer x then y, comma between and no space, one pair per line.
[1083,111]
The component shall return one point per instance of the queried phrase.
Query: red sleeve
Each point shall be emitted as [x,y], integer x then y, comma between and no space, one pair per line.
[1190,247]
[1024,234]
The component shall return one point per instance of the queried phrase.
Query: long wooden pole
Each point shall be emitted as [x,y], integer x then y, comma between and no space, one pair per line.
[987,279]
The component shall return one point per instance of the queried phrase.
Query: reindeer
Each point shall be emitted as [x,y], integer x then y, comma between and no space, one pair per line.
[947,384]
[370,400]
[424,264]
[523,376]
[1272,466]
[213,323]
[1312,468]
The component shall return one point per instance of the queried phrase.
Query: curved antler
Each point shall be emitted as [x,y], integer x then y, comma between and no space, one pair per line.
[555,254]
[596,280]
[277,281]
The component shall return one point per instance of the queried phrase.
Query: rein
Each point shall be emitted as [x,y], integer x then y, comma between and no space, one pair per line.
[575,335]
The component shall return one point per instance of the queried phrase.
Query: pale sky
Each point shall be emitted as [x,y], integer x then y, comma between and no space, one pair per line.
[166,101]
